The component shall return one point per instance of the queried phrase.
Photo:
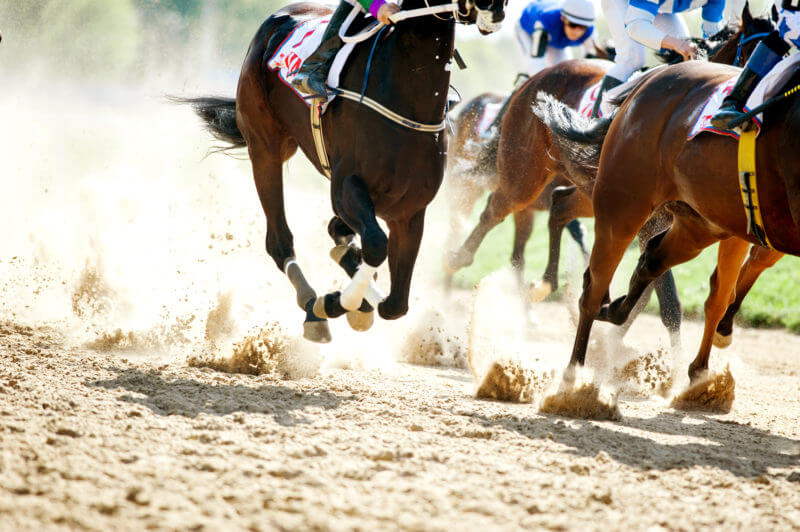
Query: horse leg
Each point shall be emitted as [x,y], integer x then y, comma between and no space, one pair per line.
[351,201]
[683,241]
[568,203]
[461,202]
[497,208]
[347,254]
[759,260]
[523,227]
[267,171]
[405,237]
[723,282]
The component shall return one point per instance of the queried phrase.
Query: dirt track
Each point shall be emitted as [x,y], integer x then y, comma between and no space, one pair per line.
[95,440]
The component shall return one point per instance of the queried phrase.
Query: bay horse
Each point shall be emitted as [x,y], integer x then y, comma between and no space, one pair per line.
[472,172]
[646,162]
[378,167]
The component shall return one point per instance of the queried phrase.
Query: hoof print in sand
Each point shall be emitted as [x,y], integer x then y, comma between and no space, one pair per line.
[510,381]
[582,401]
[715,394]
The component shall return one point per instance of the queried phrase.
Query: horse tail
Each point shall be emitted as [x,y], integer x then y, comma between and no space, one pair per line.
[577,139]
[219,115]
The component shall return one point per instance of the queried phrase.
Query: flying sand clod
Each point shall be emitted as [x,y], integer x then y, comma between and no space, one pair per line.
[712,394]
[582,399]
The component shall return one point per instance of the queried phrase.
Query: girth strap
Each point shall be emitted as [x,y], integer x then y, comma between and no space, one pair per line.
[748,186]
[319,139]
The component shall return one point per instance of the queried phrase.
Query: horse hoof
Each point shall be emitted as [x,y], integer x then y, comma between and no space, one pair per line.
[722,341]
[539,291]
[317,331]
[360,321]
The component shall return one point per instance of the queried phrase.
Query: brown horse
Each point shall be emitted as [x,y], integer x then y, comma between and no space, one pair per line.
[525,168]
[469,176]
[379,167]
[646,162]
[758,260]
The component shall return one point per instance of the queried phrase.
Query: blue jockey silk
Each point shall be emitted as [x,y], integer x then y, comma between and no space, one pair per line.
[548,15]
[712,9]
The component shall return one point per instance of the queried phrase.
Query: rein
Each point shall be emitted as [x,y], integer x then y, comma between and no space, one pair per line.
[744,40]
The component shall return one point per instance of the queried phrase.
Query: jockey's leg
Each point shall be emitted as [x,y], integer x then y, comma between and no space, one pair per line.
[767,54]
[313,74]
[631,55]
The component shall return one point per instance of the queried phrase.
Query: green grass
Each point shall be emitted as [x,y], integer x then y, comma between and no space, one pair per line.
[773,302]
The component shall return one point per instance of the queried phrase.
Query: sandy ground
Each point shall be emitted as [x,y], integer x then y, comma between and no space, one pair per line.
[100,441]
[130,254]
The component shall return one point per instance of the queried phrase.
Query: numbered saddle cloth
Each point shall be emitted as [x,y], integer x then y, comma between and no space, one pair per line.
[298,45]
[766,89]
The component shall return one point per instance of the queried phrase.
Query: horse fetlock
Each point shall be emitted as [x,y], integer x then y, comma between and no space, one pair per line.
[354,292]
[722,340]
[374,246]
[456,260]
[391,310]
[538,291]
[614,312]
[328,306]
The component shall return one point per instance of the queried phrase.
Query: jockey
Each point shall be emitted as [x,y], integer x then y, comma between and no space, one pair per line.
[544,32]
[634,25]
[313,74]
[767,54]
[547,28]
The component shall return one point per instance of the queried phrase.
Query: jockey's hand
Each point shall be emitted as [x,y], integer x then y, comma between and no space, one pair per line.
[387,10]
[687,49]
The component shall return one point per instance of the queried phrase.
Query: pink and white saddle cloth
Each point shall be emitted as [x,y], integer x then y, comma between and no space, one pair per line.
[771,85]
[304,39]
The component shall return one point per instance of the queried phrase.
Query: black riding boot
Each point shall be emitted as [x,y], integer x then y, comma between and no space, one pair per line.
[313,74]
[764,58]
[606,85]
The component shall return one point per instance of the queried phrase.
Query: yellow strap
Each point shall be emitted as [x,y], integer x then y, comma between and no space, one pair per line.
[319,139]
[748,186]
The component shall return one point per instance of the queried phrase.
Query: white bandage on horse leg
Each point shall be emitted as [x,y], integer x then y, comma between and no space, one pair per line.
[374,294]
[354,292]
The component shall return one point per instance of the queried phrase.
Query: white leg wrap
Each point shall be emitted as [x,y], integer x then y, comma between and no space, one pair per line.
[374,294]
[354,292]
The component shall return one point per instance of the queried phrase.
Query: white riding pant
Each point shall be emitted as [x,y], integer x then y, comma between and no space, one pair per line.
[531,65]
[788,25]
[631,55]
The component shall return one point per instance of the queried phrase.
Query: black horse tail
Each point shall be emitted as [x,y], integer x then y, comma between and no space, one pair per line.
[578,140]
[219,115]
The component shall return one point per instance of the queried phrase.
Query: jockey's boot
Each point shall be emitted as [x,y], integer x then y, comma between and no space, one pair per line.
[313,74]
[606,85]
[764,58]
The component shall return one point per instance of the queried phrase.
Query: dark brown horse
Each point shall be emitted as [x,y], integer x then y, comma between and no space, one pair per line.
[379,168]
[646,162]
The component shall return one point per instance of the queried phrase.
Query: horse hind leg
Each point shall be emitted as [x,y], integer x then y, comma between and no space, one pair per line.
[730,255]
[683,241]
[568,203]
[759,260]
[268,174]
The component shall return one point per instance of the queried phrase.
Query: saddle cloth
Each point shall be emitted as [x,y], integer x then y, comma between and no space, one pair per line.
[486,119]
[771,85]
[304,39]
[588,99]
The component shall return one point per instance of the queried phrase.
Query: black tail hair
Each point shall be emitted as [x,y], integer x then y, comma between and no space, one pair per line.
[219,115]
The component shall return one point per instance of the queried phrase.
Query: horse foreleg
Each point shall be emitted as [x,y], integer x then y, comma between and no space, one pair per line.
[568,203]
[759,260]
[280,242]
[405,237]
[723,282]
[497,208]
